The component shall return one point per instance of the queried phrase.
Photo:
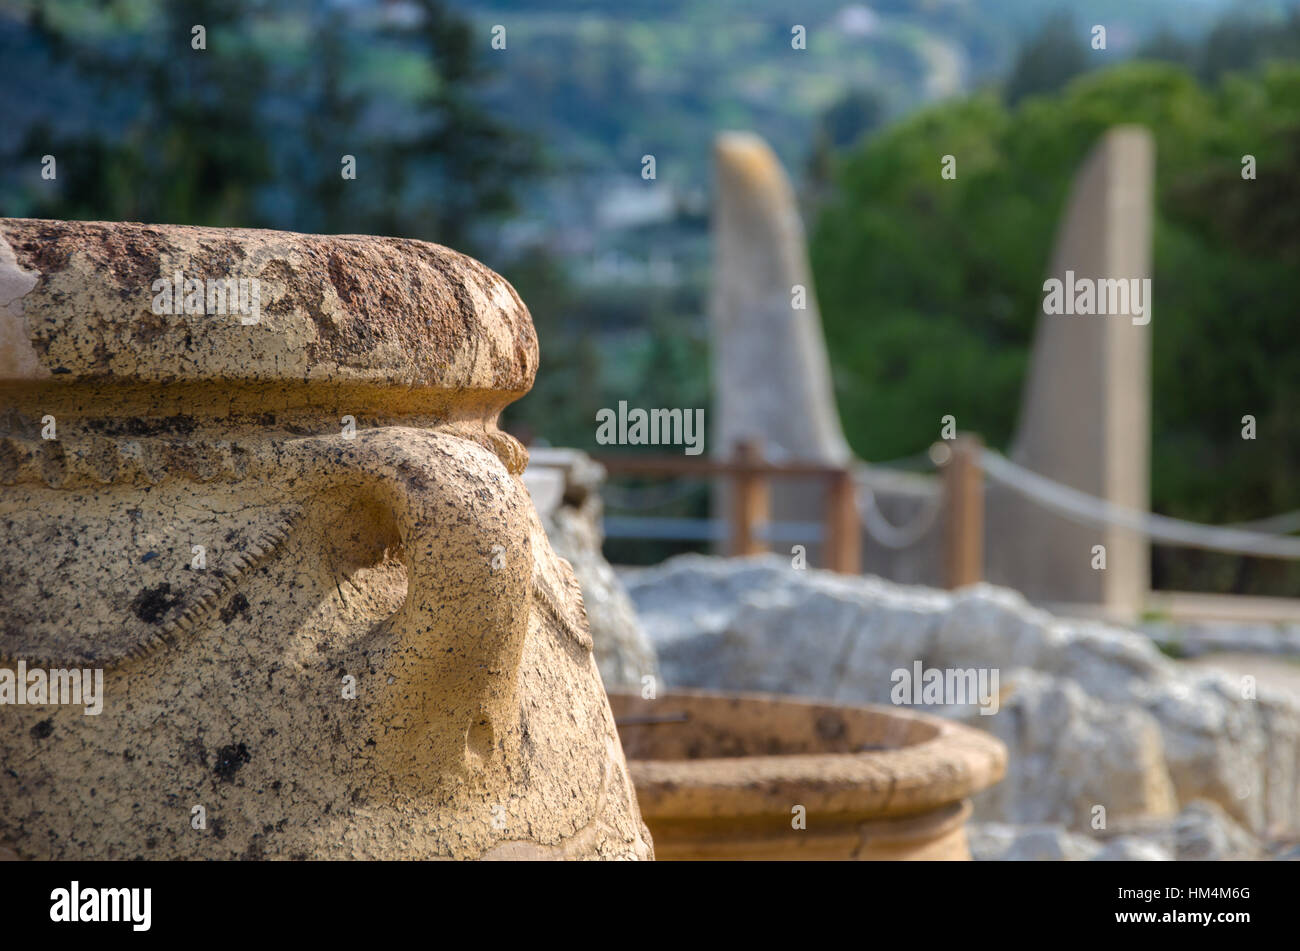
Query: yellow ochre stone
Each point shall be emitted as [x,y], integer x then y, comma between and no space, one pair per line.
[290,534]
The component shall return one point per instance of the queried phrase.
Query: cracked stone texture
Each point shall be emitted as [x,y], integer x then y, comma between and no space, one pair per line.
[406,554]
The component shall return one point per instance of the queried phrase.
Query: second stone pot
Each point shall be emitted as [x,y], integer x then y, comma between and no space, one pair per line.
[752,776]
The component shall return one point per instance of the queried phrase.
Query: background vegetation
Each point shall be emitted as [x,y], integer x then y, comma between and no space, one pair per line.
[529,158]
[930,289]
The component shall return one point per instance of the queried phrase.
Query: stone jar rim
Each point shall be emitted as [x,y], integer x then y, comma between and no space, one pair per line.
[939,763]
[130,303]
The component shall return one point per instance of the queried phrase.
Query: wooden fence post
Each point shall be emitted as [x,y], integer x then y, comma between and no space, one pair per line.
[843,534]
[750,504]
[963,483]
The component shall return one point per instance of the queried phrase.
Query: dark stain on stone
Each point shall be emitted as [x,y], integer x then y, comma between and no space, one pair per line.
[234,607]
[152,604]
[148,328]
[43,729]
[138,426]
[830,726]
[344,284]
[128,253]
[195,752]
[229,760]
[10,459]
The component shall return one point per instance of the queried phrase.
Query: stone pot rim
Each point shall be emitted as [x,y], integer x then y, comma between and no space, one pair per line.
[954,763]
[80,302]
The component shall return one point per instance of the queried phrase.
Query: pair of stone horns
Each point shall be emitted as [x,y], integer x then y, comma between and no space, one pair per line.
[129,303]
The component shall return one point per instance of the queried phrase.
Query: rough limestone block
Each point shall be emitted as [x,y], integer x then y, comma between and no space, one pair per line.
[1085,417]
[401,560]
[771,376]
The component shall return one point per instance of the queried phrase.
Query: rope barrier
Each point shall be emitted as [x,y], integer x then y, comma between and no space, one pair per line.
[1265,538]
[1082,507]
[894,536]
[1283,524]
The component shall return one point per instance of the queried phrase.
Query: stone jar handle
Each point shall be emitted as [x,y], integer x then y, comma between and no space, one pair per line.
[462,520]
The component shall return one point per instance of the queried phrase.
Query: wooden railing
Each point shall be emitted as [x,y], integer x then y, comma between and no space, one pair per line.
[750,508]
[750,475]
[963,486]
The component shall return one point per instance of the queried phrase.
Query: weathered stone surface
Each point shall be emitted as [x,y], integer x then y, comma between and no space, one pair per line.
[1091,714]
[405,557]
[1086,407]
[1074,752]
[565,486]
[388,312]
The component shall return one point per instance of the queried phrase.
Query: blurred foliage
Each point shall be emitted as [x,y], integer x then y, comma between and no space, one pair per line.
[853,115]
[1049,60]
[251,131]
[664,75]
[601,345]
[930,289]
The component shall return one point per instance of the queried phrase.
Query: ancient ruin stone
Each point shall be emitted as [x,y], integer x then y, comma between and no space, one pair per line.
[771,375]
[293,538]
[1085,414]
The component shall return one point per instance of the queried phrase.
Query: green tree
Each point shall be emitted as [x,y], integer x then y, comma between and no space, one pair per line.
[186,151]
[930,288]
[250,131]
[1053,56]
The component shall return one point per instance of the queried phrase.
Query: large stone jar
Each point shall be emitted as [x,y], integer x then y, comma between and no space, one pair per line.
[752,776]
[287,530]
